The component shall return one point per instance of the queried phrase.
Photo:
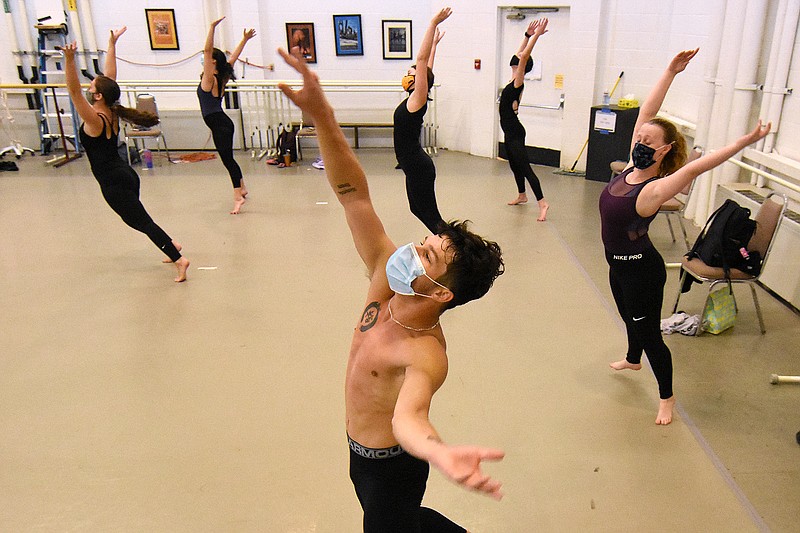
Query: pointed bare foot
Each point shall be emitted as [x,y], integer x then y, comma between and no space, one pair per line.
[238,202]
[521,199]
[182,265]
[543,207]
[625,365]
[177,247]
[664,416]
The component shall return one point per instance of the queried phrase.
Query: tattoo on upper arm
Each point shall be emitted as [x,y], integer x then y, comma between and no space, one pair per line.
[434,438]
[370,316]
[345,188]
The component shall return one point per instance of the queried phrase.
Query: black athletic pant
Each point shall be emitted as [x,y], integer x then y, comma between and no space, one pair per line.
[637,283]
[420,188]
[221,127]
[518,160]
[120,188]
[390,491]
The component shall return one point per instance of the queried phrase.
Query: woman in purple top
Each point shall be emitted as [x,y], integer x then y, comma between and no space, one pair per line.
[628,204]
[218,71]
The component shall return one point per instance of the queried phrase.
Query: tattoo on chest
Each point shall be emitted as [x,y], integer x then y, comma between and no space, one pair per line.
[370,316]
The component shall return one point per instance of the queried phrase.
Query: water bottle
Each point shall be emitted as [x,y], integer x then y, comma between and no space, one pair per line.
[606,100]
[147,158]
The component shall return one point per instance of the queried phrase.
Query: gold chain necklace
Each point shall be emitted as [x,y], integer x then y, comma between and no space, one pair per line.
[391,315]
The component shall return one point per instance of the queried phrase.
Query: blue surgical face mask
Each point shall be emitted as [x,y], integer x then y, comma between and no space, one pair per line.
[403,267]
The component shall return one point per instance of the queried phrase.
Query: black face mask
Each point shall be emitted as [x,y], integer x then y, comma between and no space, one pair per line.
[642,156]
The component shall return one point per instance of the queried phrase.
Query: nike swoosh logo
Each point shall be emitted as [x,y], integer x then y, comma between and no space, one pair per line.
[640,318]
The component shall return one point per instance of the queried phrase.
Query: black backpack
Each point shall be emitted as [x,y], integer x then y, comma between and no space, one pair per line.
[287,142]
[724,239]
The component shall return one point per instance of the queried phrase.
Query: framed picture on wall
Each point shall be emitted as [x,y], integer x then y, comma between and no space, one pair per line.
[162,30]
[397,39]
[301,34]
[347,32]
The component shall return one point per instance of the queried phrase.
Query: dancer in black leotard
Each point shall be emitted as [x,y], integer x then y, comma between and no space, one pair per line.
[119,183]
[628,204]
[513,129]
[218,71]
[416,164]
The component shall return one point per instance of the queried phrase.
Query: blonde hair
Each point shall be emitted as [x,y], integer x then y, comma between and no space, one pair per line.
[676,157]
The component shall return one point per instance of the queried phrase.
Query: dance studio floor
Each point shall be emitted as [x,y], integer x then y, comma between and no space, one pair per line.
[132,403]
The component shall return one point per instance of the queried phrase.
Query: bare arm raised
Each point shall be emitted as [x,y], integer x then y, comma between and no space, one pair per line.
[93,124]
[207,78]
[654,194]
[655,98]
[246,36]
[111,54]
[344,172]
[419,96]
[536,29]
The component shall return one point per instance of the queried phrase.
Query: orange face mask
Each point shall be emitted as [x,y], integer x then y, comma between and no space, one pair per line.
[408,80]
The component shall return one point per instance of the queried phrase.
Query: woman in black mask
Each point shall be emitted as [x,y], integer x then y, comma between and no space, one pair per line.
[628,204]
[416,164]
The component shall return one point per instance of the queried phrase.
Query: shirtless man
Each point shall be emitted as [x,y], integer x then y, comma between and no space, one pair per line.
[397,359]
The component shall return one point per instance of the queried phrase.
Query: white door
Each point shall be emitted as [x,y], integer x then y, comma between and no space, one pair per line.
[540,110]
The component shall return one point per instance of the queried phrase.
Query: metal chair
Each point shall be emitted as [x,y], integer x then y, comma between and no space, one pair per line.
[768,220]
[145,103]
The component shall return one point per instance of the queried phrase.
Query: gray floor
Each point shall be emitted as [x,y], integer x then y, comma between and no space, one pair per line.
[131,403]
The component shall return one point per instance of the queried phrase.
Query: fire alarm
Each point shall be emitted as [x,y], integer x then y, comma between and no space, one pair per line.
[477,64]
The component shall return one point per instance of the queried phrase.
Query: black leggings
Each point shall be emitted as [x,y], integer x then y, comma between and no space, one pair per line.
[518,160]
[390,491]
[420,188]
[120,188]
[221,127]
[637,283]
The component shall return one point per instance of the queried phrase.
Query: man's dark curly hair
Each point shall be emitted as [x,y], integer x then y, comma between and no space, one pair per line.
[475,265]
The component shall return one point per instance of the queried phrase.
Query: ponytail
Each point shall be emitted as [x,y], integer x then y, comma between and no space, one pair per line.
[134,116]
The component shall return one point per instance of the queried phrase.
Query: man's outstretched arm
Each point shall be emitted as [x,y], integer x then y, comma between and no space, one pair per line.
[345,175]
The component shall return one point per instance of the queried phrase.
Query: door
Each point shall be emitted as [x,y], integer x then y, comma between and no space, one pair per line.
[541,109]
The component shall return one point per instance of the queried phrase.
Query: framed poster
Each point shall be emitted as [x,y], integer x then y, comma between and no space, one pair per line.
[396,39]
[347,32]
[301,35]
[162,30]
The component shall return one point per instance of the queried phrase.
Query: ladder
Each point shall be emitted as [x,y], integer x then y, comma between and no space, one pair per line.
[56,125]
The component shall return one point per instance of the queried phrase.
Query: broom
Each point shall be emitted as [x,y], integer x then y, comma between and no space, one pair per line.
[572,171]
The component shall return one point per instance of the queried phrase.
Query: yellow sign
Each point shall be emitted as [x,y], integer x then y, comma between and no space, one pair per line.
[73,5]
[559,84]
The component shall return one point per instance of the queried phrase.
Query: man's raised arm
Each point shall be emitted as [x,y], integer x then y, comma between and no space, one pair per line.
[344,172]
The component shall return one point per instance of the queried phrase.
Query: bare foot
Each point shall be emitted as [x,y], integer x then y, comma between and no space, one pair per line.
[521,199]
[182,265]
[245,192]
[543,207]
[664,416]
[177,247]
[238,202]
[625,365]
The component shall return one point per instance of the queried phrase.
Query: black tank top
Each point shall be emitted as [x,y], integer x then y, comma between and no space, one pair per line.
[509,95]
[208,102]
[101,151]
[407,129]
[624,231]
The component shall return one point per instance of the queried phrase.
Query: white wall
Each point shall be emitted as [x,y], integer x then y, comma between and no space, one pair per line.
[605,37]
